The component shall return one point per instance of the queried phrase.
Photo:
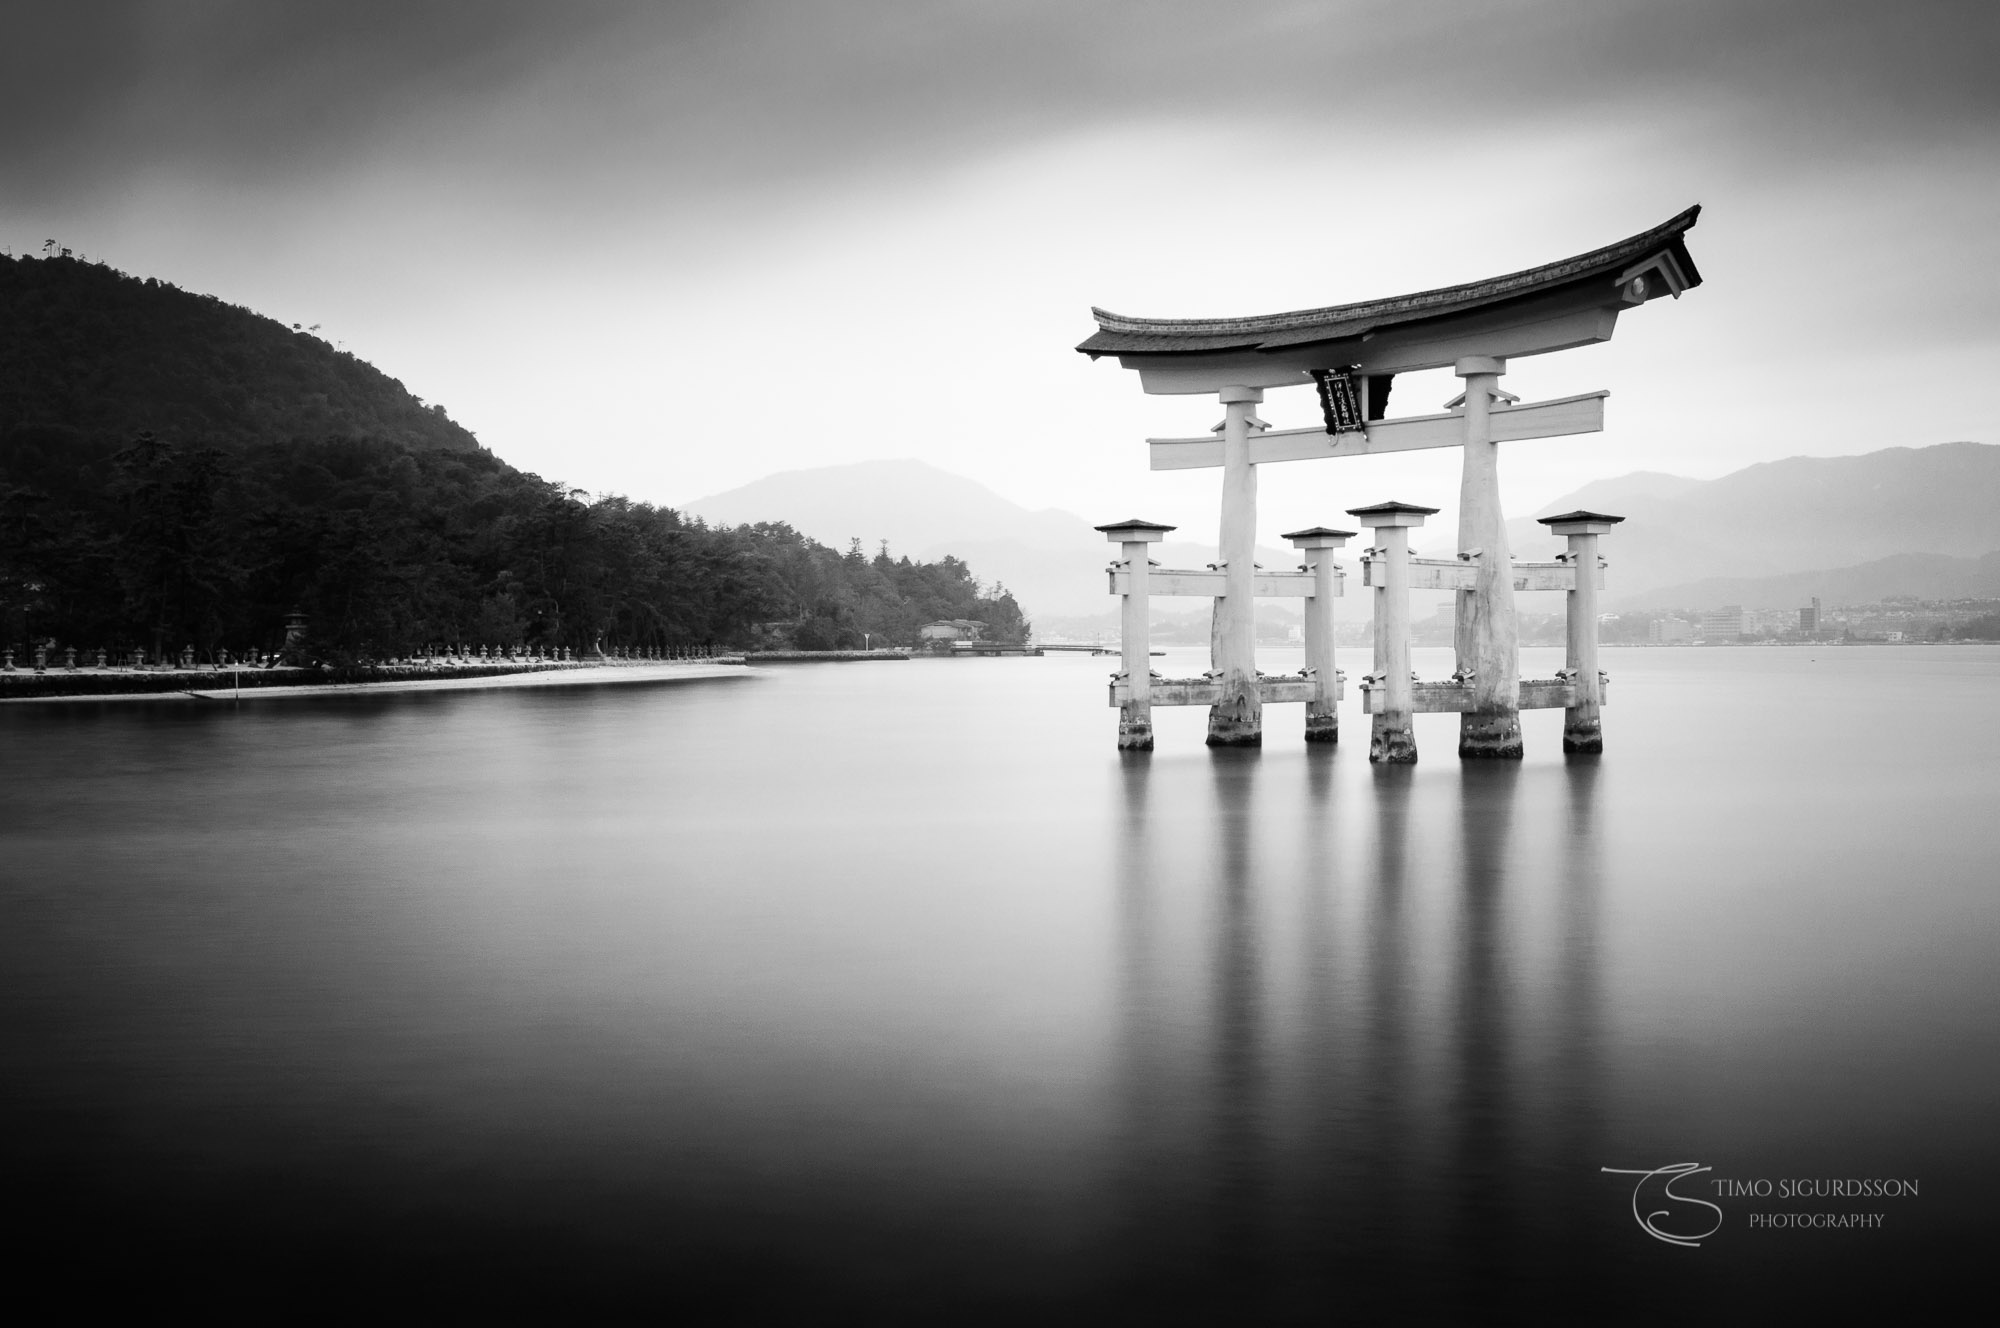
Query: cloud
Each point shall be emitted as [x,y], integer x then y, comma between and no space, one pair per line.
[245,88]
[762,93]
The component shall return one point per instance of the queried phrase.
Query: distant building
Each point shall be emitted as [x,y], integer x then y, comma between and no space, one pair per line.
[1767,623]
[956,629]
[1723,624]
[1670,631]
[1809,618]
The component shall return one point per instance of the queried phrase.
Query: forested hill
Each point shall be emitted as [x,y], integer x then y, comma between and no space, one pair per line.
[141,510]
[96,356]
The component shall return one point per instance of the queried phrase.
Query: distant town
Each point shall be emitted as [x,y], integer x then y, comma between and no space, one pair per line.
[1894,619]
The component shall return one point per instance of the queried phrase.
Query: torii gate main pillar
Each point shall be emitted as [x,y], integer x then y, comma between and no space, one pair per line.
[1237,720]
[1486,632]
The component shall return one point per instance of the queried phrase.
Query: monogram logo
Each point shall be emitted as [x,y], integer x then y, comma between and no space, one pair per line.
[1676,1225]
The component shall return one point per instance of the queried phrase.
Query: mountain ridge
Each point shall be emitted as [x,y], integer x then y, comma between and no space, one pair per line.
[1794,517]
[1934,576]
[181,474]
[1051,560]
[1797,514]
[91,356]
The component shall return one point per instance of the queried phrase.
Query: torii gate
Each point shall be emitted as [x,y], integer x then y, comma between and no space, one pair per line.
[1353,352]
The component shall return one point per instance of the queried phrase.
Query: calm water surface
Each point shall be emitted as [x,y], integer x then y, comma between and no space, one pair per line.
[892,992]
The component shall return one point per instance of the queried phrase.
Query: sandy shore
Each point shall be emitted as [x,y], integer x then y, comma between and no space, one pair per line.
[568,677]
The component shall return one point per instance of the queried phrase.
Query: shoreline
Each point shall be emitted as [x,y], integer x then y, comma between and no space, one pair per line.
[575,675]
[821,656]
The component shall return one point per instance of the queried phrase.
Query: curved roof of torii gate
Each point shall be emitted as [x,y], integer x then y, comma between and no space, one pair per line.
[1559,304]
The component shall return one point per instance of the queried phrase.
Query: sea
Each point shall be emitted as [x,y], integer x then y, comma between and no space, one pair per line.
[891,992]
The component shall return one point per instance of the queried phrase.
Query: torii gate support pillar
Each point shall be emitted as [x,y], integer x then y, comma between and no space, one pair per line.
[1583,730]
[1486,634]
[1392,737]
[1317,546]
[1135,713]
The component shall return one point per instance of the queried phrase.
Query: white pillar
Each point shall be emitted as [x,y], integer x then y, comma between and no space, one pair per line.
[1392,737]
[1135,713]
[1238,719]
[1317,546]
[1486,635]
[1583,730]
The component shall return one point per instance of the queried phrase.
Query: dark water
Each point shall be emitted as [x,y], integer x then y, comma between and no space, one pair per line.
[893,993]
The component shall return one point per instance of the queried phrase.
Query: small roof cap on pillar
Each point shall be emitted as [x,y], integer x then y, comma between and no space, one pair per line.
[1135,531]
[1319,537]
[1579,522]
[1391,514]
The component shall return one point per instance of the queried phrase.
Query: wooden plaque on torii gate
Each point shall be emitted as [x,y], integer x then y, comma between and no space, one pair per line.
[1474,328]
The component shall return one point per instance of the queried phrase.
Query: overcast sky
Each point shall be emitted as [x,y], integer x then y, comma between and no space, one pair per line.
[664,249]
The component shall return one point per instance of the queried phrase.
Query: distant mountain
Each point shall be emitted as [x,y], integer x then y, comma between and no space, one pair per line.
[90,356]
[911,504]
[1619,492]
[1802,514]
[1925,575]
[1052,560]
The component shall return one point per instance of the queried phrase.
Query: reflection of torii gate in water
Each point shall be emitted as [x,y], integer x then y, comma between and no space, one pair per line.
[1353,351]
